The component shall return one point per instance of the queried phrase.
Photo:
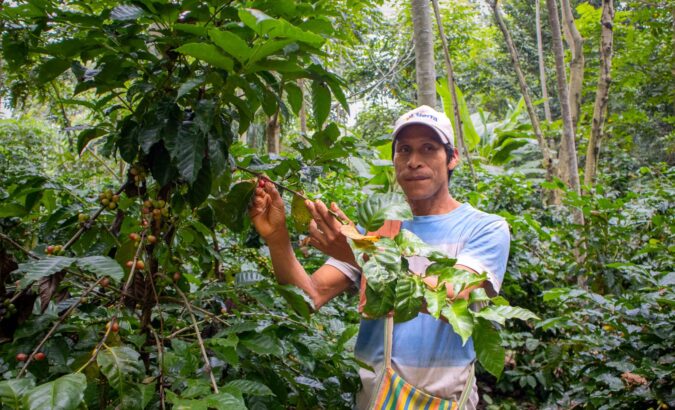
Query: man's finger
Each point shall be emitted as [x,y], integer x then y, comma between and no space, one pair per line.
[337,210]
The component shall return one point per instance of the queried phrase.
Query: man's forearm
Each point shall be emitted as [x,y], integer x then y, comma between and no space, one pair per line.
[287,268]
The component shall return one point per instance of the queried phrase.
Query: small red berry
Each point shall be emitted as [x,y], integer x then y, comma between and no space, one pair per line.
[140,265]
[115,327]
[176,276]
[105,282]
[50,249]
[39,356]
[134,236]
[130,264]
[261,183]
[21,357]
[152,239]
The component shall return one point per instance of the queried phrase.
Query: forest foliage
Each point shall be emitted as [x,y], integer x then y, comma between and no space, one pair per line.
[130,275]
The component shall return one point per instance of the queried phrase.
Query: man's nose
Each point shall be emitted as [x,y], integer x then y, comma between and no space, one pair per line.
[414,160]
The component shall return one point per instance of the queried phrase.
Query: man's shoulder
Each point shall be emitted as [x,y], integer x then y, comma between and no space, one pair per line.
[482,216]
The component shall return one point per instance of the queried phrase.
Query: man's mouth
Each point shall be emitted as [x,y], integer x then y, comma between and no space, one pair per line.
[416,177]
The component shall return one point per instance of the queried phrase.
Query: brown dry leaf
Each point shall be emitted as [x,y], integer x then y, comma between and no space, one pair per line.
[632,379]
[361,241]
[48,286]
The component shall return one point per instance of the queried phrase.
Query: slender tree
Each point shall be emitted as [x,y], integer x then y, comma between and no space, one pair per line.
[576,45]
[272,131]
[457,125]
[602,93]
[542,65]
[571,167]
[424,53]
[543,146]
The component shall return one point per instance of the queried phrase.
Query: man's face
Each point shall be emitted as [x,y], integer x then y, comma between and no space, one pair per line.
[421,163]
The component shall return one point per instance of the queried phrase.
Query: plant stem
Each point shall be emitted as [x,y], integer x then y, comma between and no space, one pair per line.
[296,193]
[200,341]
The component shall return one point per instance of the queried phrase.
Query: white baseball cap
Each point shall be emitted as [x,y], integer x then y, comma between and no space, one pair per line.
[426,115]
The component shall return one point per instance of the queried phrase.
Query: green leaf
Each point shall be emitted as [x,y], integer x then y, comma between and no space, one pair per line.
[372,213]
[459,278]
[258,21]
[102,266]
[121,365]
[38,269]
[265,49]
[64,393]
[207,53]
[471,137]
[13,390]
[488,345]
[233,211]
[409,296]
[201,188]
[294,96]
[299,301]
[9,210]
[191,28]
[459,317]
[262,343]
[380,303]
[436,300]
[377,275]
[250,387]
[231,44]
[320,102]
[51,69]
[188,151]
[87,135]
[499,314]
[126,12]
[225,401]
[387,254]
[188,86]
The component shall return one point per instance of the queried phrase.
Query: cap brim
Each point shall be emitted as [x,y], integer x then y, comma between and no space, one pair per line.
[441,135]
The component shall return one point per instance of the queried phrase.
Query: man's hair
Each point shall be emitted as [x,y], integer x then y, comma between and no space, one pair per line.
[449,153]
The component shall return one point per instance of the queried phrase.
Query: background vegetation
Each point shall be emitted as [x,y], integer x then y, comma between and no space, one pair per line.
[130,275]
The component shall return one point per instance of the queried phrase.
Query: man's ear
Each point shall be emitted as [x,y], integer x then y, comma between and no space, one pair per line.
[455,159]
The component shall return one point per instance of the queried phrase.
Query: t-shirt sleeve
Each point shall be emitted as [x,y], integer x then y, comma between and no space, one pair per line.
[347,269]
[487,251]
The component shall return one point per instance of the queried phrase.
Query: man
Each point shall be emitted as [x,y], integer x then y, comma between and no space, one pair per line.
[427,353]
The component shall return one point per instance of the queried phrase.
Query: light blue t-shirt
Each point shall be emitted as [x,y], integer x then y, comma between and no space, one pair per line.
[426,352]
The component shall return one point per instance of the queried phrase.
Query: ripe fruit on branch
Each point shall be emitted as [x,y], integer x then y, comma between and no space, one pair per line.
[140,265]
[261,182]
[105,282]
[134,236]
[176,276]
[39,356]
[115,327]
[50,249]
[152,239]
[130,264]
[21,357]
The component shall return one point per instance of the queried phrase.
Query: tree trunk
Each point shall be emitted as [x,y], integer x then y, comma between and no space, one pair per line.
[602,93]
[576,44]
[424,53]
[543,146]
[572,179]
[542,66]
[457,125]
[272,134]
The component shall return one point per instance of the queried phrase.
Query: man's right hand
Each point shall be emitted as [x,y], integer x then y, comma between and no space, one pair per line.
[267,211]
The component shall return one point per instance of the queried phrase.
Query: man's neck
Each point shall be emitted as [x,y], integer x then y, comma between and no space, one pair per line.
[434,206]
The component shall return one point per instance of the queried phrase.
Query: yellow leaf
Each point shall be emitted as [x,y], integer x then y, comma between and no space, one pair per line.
[300,214]
[361,241]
